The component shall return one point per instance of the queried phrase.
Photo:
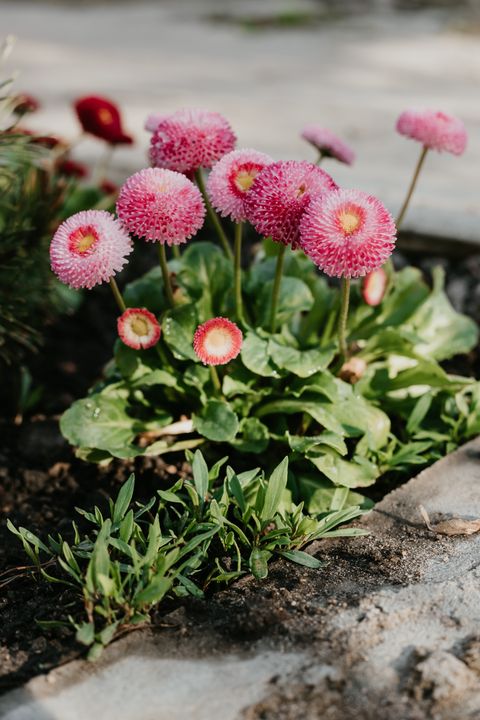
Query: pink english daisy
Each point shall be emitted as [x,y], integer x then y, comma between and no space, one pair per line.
[435,130]
[138,328]
[152,121]
[328,144]
[373,287]
[347,233]
[89,248]
[217,341]
[190,139]
[161,205]
[280,195]
[231,179]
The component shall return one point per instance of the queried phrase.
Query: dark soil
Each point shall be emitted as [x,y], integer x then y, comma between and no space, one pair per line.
[41,483]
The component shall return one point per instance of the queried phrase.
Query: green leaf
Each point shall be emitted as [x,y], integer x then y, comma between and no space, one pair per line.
[301,558]
[419,412]
[303,363]
[200,475]
[147,292]
[358,472]
[207,276]
[253,436]
[217,421]
[178,328]
[99,422]
[124,499]
[275,488]
[255,356]
[294,297]
[153,592]
[258,563]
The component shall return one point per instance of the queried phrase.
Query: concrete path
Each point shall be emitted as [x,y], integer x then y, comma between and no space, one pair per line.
[394,636]
[354,74]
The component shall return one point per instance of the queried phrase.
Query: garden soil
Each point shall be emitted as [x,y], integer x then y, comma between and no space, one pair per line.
[388,628]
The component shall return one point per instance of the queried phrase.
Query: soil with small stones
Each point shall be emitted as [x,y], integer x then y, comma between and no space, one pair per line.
[41,483]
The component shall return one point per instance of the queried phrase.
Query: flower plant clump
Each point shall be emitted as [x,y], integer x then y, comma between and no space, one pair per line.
[346,378]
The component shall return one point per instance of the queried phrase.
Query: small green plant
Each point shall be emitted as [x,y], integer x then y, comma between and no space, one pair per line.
[200,532]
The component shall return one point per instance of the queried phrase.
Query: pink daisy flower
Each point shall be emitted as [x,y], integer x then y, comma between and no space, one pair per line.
[161,206]
[89,248]
[138,328]
[231,179]
[347,233]
[190,139]
[280,195]
[435,130]
[328,144]
[152,121]
[373,287]
[217,341]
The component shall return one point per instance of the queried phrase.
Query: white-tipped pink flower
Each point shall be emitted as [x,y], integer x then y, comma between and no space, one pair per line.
[280,195]
[152,121]
[89,248]
[188,140]
[435,130]
[138,328]
[374,286]
[347,233]
[217,341]
[231,179]
[328,144]
[161,206]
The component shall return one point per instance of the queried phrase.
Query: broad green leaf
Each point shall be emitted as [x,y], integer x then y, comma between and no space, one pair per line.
[147,292]
[217,421]
[207,276]
[348,473]
[303,363]
[99,422]
[255,356]
[253,436]
[294,297]
[178,328]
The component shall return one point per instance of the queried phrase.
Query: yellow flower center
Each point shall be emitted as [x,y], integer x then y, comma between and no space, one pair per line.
[244,180]
[85,242]
[140,326]
[349,221]
[301,190]
[218,341]
[105,116]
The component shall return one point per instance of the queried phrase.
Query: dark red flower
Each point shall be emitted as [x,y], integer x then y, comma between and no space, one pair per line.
[72,168]
[100,117]
[108,187]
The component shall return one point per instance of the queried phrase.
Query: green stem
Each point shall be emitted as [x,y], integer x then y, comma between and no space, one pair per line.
[319,159]
[342,322]
[413,183]
[103,164]
[162,256]
[276,286]
[237,270]
[213,215]
[176,252]
[215,379]
[117,295]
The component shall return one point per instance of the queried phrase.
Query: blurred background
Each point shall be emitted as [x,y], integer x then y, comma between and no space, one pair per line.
[271,66]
